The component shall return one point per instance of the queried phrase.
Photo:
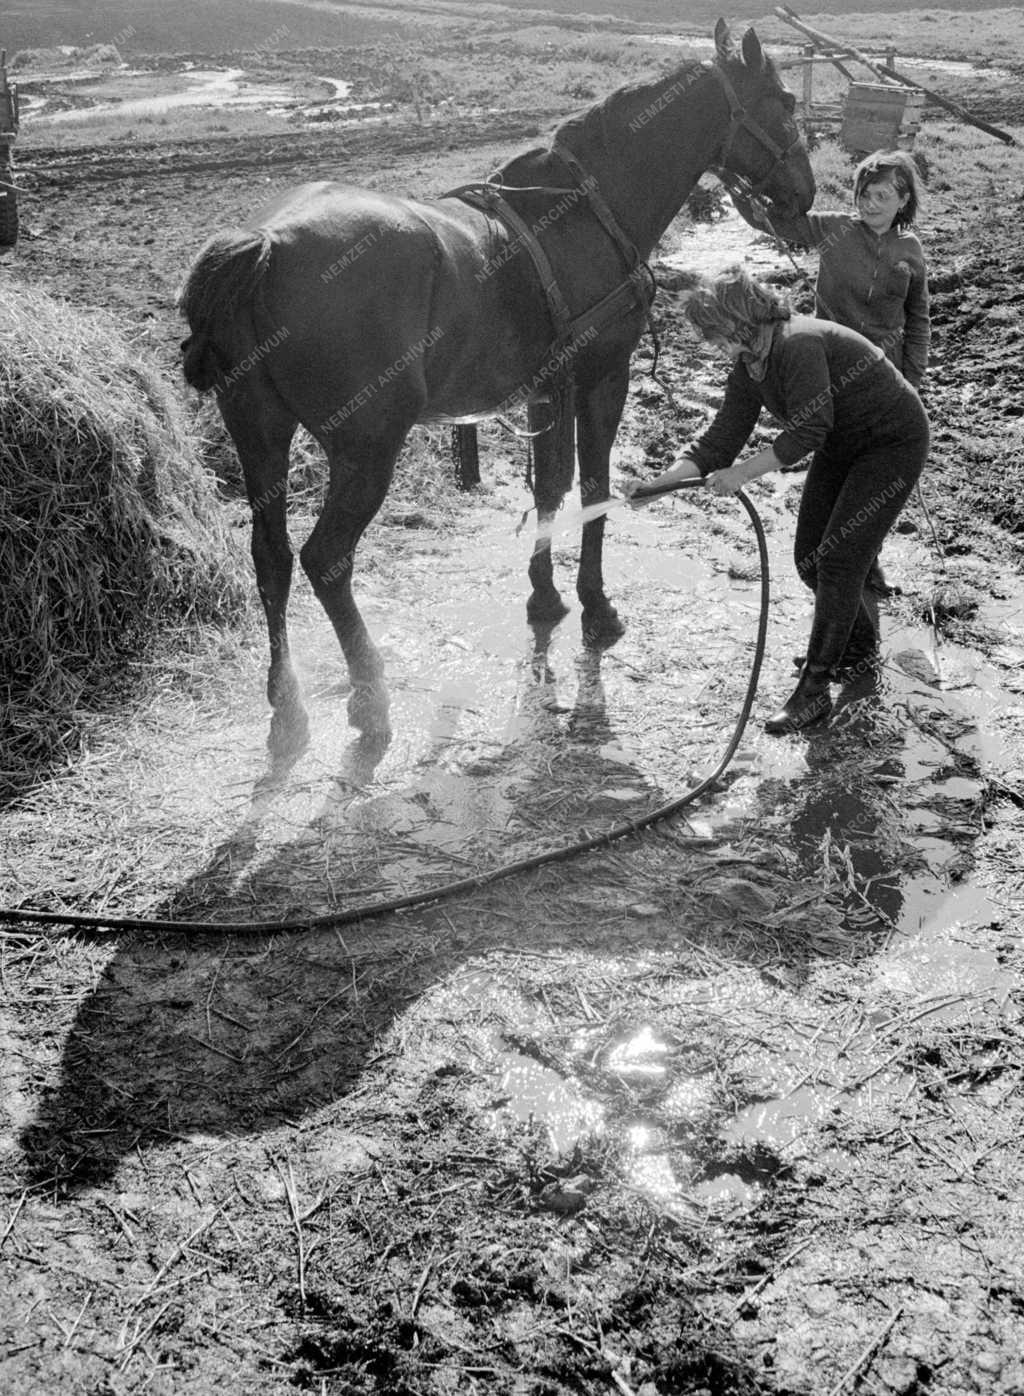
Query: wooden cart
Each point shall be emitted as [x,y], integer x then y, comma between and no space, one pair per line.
[8,135]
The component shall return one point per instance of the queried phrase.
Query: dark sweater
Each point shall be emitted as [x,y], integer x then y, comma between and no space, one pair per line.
[826,385]
[875,283]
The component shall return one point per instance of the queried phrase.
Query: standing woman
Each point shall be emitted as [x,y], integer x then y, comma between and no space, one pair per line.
[872,274]
[838,399]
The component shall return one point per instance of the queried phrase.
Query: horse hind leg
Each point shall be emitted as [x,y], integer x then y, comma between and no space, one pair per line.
[554,461]
[262,429]
[356,491]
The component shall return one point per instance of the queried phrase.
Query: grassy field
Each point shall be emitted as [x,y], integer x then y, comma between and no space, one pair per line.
[149,26]
[421,73]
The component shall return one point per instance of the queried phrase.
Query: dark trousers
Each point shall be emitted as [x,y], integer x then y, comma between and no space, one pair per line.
[852,496]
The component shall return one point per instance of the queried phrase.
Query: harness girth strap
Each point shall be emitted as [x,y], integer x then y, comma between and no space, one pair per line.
[486,197]
[570,331]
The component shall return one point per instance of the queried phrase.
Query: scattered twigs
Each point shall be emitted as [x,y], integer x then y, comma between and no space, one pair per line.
[180,1252]
[299,1217]
[69,1335]
[12,1219]
[421,1286]
[766,1279]
[867,1353]
[127,1348]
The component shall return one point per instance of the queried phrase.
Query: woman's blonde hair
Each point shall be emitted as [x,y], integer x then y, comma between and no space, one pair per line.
[734,306]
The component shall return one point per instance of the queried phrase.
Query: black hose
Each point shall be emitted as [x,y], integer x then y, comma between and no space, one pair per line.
[465,884]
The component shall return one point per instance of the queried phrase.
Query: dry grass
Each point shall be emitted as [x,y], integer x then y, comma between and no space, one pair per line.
[109,528]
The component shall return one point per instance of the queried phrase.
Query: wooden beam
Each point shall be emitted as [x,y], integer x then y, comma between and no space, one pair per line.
[888,74]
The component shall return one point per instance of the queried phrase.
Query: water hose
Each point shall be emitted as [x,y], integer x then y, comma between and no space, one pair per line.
[370,910]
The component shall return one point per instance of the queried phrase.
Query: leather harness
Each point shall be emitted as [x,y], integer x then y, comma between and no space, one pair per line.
[638,287]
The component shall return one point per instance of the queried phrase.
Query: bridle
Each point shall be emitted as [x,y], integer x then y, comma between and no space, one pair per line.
[741,120]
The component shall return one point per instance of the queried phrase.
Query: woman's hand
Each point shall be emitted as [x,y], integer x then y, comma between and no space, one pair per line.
[640,492]
[736,476]
[729,481]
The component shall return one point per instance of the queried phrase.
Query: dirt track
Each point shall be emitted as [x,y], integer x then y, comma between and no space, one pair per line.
[329,1161]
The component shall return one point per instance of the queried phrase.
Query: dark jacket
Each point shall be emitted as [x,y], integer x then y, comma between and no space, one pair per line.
[828,388]
[876,284]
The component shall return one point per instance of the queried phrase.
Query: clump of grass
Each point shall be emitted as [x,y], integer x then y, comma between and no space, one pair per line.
[110,531]
[102,55]
[833,176]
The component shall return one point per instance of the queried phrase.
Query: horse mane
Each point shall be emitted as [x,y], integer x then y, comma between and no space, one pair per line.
[627,103]
[619,107]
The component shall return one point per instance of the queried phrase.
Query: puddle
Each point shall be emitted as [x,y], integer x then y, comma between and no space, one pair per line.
[938,978]
[110,95]
[531,1092]
[945,982]
[930,906]
[710,248]
[538,1095]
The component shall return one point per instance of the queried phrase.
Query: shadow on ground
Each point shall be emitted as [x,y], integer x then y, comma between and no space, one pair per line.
[224,1034]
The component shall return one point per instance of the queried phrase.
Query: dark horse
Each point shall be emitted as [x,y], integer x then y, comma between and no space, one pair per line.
[358,315]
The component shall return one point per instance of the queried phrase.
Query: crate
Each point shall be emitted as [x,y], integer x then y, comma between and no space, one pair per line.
[879,117]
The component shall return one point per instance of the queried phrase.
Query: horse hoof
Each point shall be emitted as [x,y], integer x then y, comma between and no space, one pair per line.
[602,627]
[368,713]
[546,608]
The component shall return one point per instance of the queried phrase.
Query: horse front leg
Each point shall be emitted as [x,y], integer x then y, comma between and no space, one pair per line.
[354,495]
[598,418]
[554,461]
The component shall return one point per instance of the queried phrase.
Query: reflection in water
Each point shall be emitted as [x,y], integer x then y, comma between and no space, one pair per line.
[634,1058]
[884,811]
[536,1094]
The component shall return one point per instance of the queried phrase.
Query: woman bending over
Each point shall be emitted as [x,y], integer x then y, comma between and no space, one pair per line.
[840,400]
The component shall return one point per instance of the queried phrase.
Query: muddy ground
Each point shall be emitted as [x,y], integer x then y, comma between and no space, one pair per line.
[732,1107]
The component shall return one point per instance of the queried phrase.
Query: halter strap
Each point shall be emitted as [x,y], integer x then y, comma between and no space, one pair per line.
[741,120]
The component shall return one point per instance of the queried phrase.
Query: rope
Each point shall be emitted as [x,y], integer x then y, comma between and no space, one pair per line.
[371,910]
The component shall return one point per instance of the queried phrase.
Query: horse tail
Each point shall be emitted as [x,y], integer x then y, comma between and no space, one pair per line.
[224,276]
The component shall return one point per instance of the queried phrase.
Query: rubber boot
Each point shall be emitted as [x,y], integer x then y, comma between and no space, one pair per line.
[876,580]
[809,702]
[861,648]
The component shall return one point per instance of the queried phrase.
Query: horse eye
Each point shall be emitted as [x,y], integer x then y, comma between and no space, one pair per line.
[789,102]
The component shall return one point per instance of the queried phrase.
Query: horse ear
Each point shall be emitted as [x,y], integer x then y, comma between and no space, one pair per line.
[723,40]
[753,54]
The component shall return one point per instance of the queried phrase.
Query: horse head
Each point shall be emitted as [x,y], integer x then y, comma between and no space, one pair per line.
[762,151]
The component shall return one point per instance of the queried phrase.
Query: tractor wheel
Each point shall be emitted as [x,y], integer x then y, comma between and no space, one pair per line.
[8,207]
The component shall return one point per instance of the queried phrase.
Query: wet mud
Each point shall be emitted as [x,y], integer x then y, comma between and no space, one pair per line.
[734,1107]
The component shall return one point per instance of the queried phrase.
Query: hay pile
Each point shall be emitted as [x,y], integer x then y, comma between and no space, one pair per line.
[109,529]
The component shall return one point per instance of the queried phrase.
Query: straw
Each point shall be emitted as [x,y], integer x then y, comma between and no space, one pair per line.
[109,527]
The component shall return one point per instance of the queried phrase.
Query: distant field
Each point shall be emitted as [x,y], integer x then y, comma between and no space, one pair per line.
[224,26]
[688,13]
[201,26]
